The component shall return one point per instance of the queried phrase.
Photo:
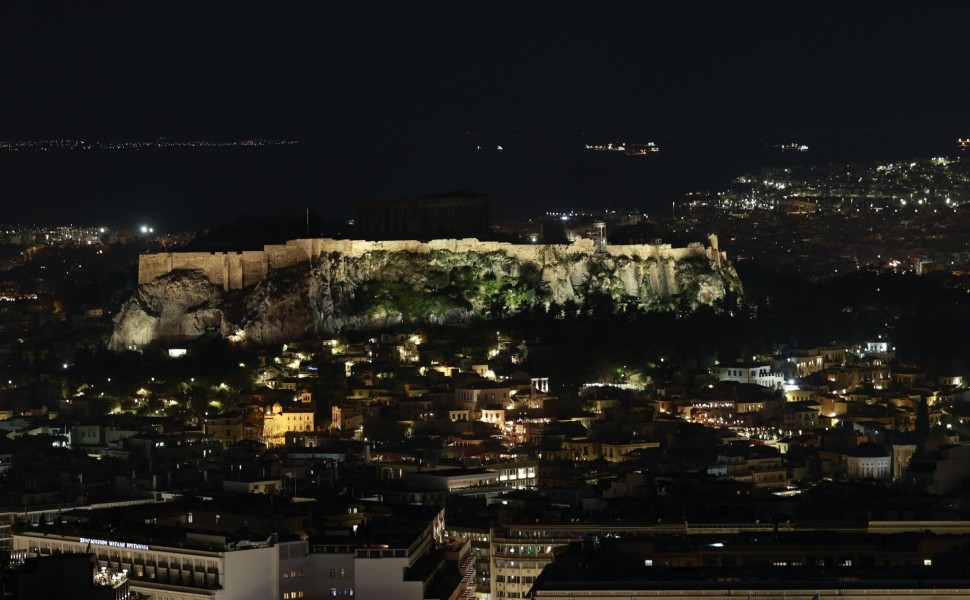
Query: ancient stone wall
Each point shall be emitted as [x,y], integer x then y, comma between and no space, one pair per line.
[239,270]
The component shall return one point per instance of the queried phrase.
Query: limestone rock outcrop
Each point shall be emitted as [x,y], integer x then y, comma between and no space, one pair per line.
[336,291]
[178,305]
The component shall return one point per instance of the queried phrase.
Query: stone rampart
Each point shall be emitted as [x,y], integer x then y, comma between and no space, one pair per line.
[241,269]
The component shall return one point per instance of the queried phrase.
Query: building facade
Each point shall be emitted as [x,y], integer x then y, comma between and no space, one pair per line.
[757,373]
[202,569]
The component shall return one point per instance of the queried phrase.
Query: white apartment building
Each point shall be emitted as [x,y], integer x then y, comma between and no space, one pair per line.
[204,569]
[757,373]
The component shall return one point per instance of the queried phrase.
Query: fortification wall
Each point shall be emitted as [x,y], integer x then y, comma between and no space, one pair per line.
[152,266]
[238,270]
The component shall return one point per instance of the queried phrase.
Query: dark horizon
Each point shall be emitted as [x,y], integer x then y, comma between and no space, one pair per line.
[190,189]
[391,102]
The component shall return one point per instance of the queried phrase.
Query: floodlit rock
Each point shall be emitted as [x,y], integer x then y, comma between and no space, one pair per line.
[179,305]
[339,291]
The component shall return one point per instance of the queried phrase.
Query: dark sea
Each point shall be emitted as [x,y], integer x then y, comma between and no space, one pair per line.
[190,188]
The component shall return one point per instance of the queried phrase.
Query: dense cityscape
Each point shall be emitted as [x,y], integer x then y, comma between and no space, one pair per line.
[480,457]
[456,301]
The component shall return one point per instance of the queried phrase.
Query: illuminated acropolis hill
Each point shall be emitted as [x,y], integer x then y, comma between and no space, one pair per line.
[242,269]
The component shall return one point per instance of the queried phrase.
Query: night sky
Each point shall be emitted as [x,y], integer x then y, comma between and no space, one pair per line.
[393,100]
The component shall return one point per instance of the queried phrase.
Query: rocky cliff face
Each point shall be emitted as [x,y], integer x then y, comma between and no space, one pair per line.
[179,305]
[339,292]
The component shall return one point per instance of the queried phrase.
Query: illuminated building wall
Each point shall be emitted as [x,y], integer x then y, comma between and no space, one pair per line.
[517,558]
[172,572]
